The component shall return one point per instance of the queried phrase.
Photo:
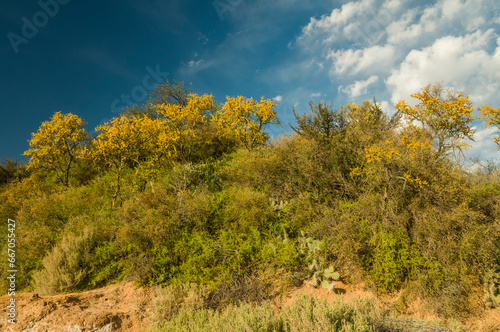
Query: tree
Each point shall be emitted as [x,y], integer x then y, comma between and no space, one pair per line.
[368,133]
[370,119]
[57,145]
[11,171]
[492,117]
[242,120]
[322,123]
[447,118]
[128,141]
[191,124]
[163,93]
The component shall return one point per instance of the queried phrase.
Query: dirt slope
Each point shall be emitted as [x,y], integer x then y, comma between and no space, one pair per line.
[120,307]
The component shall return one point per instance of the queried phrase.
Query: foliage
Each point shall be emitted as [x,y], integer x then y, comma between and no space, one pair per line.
[322,123]
[492,117]
[12,171]
[446,118]
[190,125]
[57,145]
[394,259]
[205,199]
[162,93]
[66,266]
[127,141]
[305,313]
[243,120]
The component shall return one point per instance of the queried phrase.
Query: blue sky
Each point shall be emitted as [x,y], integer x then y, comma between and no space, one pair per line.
[91,57]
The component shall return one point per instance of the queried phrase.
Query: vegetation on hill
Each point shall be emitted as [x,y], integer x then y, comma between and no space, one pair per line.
[186,190]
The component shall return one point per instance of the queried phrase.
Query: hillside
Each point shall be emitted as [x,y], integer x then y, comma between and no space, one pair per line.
[194,196]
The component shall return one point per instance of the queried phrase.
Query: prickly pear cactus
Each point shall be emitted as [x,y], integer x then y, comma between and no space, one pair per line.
[331,274]
[310,248]
[324,278]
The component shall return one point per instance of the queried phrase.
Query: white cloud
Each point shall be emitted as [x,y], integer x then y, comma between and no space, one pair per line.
[387,107]
[358,22]
[483,145]
[370,59]
[402,30]
[460,62]
[406,44]
[278,98]
[359,88]
[399,46]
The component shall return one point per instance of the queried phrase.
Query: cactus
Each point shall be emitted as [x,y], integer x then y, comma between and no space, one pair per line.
[323,278]
[309,248]
[308,245]
[315,282]
[316,279]
[329,286]
[313,266]
[331,274]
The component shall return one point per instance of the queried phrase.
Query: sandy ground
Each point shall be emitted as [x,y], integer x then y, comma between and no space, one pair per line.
[119,307]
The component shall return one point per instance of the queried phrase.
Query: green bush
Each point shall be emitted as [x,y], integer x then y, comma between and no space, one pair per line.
[305,313]
[65,267]
[394,260]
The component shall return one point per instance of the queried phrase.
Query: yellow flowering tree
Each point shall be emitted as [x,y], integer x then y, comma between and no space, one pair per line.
[130,141]
[57,144]
[447,118]
[492,117]
[190,123]
[163,93]
[243,119]
[368,123]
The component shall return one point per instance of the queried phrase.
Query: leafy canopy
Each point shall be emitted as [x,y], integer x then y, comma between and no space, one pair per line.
[57,144]
[243,119]
[447,118]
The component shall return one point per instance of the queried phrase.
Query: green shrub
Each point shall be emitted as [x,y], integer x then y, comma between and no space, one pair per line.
[394,259]
[65,267]
[168,300]
[305,313]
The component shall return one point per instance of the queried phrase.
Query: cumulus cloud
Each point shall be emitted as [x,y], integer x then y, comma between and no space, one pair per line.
[399,46]
[368,59]
[483,146]
[359,88]
[403,42]
[460,62]
[278,98]
[356,22]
